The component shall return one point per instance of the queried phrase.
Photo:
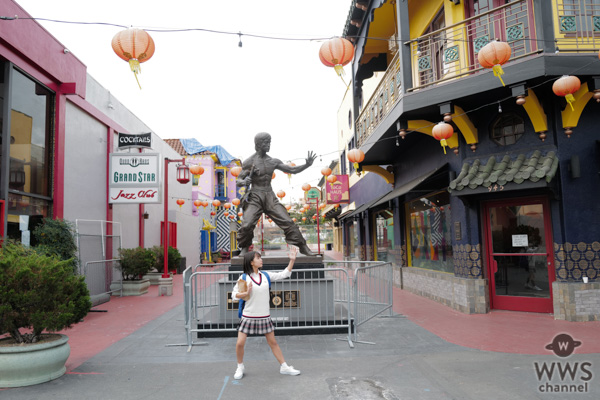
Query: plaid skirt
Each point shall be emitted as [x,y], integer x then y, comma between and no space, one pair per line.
[258,326]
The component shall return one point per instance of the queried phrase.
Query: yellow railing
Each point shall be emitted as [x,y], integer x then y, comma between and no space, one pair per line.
[576,25]
[451,52]
[385,97]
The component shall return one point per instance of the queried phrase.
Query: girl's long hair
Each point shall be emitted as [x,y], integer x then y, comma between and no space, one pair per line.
[248,257]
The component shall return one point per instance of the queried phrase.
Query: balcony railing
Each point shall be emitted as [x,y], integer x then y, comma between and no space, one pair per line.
[385,97]
[451,52]
[577,25]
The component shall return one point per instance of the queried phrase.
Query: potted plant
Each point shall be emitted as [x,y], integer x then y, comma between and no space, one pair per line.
[56,237]
[174,258]
[134,264]
[38,294]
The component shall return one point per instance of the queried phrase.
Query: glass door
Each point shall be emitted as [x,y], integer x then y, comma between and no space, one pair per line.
[519,254]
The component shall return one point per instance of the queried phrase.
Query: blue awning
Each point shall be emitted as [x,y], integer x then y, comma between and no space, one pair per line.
[192,146]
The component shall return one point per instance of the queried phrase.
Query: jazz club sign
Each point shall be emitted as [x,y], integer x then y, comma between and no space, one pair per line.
[134,178]
[338,192]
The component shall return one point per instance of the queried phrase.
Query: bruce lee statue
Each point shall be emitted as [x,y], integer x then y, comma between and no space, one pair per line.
[259,198]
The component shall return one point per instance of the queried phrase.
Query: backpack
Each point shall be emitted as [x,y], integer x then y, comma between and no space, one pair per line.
[242,303]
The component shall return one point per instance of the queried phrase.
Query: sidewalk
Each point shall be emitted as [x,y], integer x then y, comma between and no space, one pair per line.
[427,351]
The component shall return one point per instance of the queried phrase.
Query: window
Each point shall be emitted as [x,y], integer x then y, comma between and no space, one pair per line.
[431,52]
[384,234]
[429,226]
[507,129]
[343,163]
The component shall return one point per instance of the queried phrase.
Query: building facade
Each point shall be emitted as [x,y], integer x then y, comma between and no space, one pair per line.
[506,217]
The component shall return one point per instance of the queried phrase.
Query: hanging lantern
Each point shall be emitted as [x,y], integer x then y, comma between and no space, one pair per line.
[326,171]
[226,213]
[205,204]
[196,169]
[227,206]
[336,206]
[270,220]
[235,171]
[232,217]
[213,213]
[306,187]
[135,46]
[294,219]
[180,202]
[314,217]
[336,53]
[303,219]
[273,176]
[235,202]
[493,55]
[291,164]
[216,203]
[197,203]
[288,207]
[240,214]
[356,156]
[441,132]
[332,179]
[281,194]
[566,86]
[183,173]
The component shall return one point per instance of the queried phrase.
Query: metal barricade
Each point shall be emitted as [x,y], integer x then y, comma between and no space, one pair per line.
[372,290]
[99,275]
[310,299]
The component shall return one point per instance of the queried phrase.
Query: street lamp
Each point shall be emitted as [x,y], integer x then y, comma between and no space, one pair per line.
[183,176]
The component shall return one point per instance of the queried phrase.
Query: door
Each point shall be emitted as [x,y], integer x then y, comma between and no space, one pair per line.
[520,260]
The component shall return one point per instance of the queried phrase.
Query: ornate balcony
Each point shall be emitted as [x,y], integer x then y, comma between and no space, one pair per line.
[576,25]
[385,97]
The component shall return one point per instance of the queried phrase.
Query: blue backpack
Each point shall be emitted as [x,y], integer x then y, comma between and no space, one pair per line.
[243,302]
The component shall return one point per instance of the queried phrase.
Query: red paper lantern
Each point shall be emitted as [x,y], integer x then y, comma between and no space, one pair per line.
[565,86]
[196,170]
[180,202]
[213,213]
[294,219]
[216,203]
[197,203]
[235,171]
[288,207]
[314,217]
[227,206]
[336,53]
[135,46]
[240,214]
[332,179]
[326,171]
[356,156]
[205,204]
[281,194]
[270,220]
[291,164]
[306,187]
[273,176]
[441,132]
[303,219]
[226,213]
[493,55]
[236,202]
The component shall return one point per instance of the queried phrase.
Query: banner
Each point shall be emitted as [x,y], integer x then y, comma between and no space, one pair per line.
[134,178]
[339,191]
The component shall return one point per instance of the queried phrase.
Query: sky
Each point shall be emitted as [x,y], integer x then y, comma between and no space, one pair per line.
[203,85]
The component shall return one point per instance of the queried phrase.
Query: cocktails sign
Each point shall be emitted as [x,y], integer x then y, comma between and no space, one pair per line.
[134,178]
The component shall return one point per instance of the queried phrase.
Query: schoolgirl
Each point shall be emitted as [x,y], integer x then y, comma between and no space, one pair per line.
[256,316]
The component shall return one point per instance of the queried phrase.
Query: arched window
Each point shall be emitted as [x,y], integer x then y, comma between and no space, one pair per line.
[507,129]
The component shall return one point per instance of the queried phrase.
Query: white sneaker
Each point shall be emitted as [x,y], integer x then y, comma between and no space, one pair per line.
[239,372]
[288,370]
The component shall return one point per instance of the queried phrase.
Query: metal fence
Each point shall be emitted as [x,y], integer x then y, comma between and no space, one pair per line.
[342,296]
[99,276]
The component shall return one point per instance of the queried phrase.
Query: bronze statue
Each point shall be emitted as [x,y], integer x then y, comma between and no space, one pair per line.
[256,175]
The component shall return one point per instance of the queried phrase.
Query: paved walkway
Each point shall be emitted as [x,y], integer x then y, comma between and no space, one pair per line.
[426,351]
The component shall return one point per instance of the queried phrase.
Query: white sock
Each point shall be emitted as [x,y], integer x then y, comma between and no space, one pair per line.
[240,365]
[284,365]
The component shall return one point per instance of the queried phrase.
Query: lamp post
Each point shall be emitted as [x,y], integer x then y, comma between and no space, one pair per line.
[183,176]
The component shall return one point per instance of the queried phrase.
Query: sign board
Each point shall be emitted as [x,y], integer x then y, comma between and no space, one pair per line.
[134,178]
[339,191]
[519,241]
[142,140]
[312,195]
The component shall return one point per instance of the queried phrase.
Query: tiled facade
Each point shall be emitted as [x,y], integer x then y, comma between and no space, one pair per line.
[467,260]
[574,261]
[576,301]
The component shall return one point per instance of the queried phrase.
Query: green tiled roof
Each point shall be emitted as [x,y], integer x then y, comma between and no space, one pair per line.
[505,171]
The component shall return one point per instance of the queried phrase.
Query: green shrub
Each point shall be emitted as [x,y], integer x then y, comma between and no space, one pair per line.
[56,237]
[174,258]
[38,292]
[136,262]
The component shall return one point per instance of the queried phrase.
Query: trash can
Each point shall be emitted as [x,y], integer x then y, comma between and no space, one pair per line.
[329,246]
[182,265]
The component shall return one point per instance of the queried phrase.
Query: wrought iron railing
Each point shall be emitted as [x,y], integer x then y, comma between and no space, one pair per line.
[451,52]
[576,25]
[385,97]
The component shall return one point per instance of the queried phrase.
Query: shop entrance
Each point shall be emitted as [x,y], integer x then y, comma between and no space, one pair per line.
[520,261]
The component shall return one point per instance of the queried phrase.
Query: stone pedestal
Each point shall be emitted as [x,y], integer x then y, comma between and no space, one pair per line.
[165,286]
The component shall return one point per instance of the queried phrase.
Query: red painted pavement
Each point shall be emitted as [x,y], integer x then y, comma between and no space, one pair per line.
[124,315]
[500,331]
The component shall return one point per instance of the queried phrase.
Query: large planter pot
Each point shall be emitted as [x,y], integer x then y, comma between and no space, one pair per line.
[30,364]
[131,288]
[153,277]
